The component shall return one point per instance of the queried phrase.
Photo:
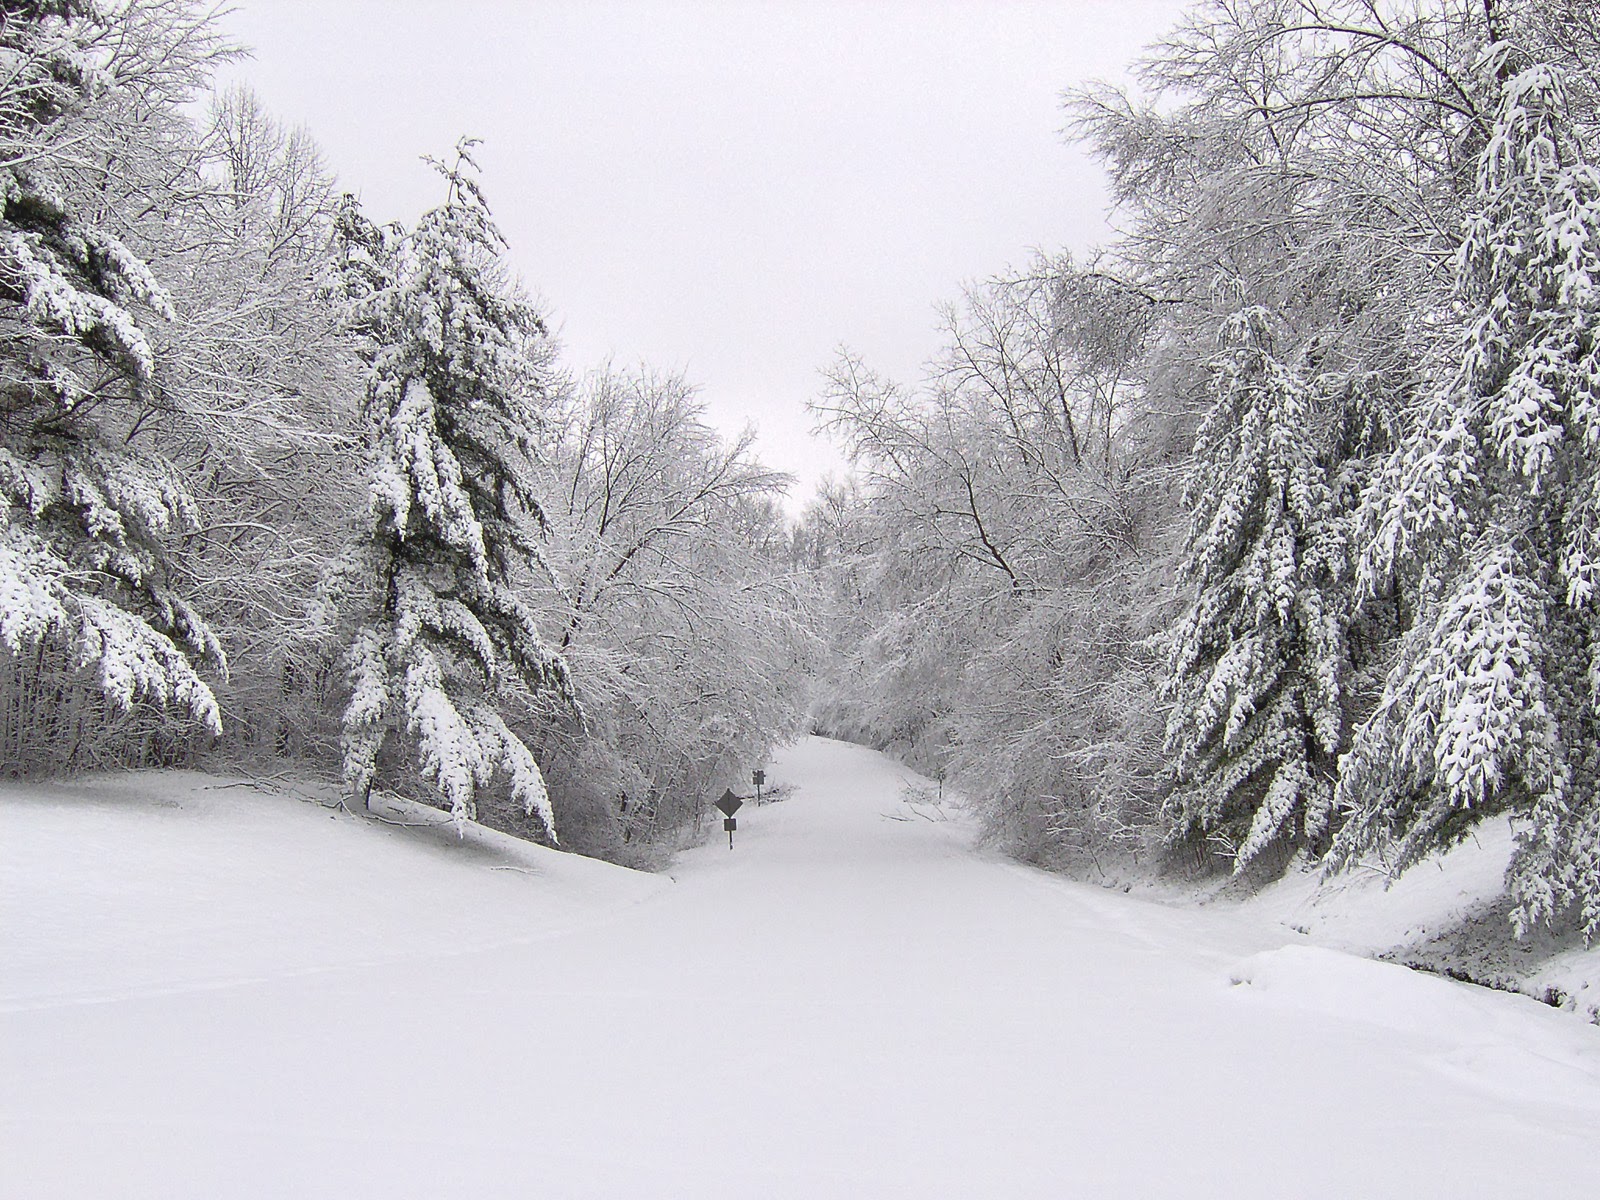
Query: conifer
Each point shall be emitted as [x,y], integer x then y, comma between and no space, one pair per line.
[1488,517]
[1257,664]
[459,369]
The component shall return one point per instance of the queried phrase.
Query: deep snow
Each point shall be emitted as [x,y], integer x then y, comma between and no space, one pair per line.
[210,992]
[1447,914]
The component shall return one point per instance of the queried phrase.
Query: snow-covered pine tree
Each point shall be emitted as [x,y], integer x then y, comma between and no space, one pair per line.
[1487,516]
[1256,665]
[460,367]
[84,513]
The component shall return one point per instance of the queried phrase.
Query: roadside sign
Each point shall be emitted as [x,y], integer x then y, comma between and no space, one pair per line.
[729,804]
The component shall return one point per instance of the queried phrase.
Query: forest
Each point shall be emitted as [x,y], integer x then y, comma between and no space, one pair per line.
[1266,537]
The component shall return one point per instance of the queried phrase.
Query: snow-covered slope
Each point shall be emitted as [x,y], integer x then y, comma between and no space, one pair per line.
[1447,914]
[167,881]
[254,998]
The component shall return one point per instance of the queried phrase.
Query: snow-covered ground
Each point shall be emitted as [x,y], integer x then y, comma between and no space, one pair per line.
[1448,914]
[207,991]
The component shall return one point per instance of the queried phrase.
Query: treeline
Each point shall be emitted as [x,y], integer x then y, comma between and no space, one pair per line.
[277,483]
[1270,532]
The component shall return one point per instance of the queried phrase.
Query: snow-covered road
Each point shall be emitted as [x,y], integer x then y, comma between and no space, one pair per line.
[847,1004]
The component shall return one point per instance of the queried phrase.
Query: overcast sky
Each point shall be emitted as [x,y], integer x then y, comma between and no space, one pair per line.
[732,190]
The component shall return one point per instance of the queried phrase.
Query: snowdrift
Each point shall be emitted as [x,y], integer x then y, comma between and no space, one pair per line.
[153,882]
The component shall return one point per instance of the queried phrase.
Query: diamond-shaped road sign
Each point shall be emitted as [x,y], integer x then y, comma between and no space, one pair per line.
[729,804]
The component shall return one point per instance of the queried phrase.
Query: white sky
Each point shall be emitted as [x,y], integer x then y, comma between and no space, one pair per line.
[728,189]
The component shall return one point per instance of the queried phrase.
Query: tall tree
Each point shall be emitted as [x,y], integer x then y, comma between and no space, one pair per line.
[1257,665]
[460,373]
[1488,518]
[87,510]
[266,397]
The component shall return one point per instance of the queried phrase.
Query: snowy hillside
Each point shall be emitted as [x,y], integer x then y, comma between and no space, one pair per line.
[156,882]
[213,992]
[1448,915]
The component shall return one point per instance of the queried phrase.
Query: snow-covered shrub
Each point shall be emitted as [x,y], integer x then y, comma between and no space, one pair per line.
[1057,744]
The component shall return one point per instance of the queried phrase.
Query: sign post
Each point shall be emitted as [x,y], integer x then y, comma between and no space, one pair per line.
[758,777]
[729,804]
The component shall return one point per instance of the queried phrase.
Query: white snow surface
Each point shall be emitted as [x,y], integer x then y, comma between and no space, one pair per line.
[1449,912]
[210,992]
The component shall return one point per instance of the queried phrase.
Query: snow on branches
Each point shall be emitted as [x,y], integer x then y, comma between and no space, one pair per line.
[1255,667]
[459,367]
[85,515]
[1488,517]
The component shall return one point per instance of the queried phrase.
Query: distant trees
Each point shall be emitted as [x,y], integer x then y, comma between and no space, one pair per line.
[1380,627]
[988,572]
[689,633]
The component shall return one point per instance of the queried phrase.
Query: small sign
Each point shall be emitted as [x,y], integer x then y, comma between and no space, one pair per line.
[729,824]
[729,804]
[758,777]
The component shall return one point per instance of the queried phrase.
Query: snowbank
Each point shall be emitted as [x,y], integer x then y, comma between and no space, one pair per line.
[146,883]
[1446,915]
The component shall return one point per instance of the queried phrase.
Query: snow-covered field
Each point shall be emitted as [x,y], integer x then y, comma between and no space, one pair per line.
[207,991]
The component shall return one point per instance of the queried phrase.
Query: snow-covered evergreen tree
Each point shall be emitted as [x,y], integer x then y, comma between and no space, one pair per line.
[459,369]
[85,514]
[1487,518]
[1257,664]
